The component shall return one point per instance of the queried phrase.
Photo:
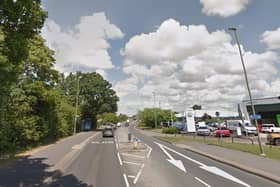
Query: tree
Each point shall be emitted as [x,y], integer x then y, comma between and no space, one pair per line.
[147,116]
[96,94]
[196,107]
[109,118]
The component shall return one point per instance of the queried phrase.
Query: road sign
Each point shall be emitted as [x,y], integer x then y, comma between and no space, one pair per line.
[255,117]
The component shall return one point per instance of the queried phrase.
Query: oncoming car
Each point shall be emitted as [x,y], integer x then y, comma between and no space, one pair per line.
[108,132]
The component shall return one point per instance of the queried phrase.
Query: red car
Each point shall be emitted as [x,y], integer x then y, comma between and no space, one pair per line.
[222,131]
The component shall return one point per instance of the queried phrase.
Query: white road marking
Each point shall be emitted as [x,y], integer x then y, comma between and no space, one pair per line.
[201,181]
[132,163]
[210,169]
[125,180]
[138,174]
[103,142]
[119,157]
[150,150]
[95,142]
[176,163]
[137,156]
[130,176]
[224,174]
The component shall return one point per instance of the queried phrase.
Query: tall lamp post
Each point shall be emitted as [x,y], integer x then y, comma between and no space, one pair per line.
[77,101]
[234,30]
[155,112]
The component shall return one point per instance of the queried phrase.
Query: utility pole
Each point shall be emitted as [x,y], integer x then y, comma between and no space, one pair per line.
[155,113]
[248,87]
[77,101]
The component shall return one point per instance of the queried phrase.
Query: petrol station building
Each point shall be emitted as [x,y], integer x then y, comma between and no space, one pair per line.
[268,108]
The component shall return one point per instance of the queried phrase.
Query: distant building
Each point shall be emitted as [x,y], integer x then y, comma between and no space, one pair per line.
[268,108]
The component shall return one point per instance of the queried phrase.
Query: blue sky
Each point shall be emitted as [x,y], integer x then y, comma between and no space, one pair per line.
[133,18]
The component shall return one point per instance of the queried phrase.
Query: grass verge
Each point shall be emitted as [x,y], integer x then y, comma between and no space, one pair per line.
[271,152]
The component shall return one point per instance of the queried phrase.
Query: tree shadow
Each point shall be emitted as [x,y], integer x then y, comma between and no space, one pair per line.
[27,172]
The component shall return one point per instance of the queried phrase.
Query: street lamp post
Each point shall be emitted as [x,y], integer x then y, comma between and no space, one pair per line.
[77,101]
[248,86]
[155,115]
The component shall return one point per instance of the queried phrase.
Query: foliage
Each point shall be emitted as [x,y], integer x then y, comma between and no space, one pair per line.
[170,130]
[109,117]
[148,115]
[122,117]
[196,107]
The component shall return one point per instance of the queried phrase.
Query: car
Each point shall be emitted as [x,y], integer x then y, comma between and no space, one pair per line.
[126,124]
[203,131]
[212,126]
[180,126]
[274,129]
[222,131]
[266,128]
[119,124]
[246,127]
[273,138]
[108,132]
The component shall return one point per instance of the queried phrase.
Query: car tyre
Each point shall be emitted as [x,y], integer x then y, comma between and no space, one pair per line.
[277,141]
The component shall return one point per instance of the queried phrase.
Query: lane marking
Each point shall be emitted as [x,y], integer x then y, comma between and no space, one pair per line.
[84,143]
[211,169]
[137,156]
[138,174]
[201,181]
[177,163]
[125,179]
[132,163]
[119,157]
[150,150]
[130,176]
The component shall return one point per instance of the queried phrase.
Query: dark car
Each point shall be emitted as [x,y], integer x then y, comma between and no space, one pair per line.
[108,132]
[180,126]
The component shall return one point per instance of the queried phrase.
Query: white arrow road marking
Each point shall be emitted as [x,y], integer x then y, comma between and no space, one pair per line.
[176,163]
[224,174]
[210,169]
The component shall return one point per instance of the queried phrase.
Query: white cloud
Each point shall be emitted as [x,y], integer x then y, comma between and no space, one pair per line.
[271,39]
[86,46]
[187,65]
[223,8]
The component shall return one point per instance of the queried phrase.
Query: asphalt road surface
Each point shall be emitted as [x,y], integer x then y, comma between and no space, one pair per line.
[88,159]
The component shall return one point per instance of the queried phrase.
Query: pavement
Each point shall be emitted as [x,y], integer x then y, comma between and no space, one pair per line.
[88,159]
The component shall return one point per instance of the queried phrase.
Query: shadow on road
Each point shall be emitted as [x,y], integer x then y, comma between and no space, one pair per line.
[27,172]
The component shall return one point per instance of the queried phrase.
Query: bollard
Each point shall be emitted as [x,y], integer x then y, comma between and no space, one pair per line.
[135,144]
[129,137]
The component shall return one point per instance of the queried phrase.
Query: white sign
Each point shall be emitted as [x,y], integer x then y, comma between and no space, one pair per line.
[238,131]
[190,121]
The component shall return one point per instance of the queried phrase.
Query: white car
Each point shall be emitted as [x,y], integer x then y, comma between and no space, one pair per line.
[203,131]
[266,127]
[274,129]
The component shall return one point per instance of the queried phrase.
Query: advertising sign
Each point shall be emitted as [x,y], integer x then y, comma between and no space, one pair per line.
[190,121]
[278,119]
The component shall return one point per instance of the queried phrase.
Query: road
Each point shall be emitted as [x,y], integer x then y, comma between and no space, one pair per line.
[88,159]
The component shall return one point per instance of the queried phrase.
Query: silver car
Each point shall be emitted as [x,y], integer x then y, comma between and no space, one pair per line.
[203,131]
[108,132]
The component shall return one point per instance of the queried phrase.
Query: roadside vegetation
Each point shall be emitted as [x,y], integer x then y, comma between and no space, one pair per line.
[37,102]
[271,152]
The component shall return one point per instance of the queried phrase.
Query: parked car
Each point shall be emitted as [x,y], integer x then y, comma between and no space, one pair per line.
[212,126]
[108,132]
[222,131]
[203,131]
[274,129]
[179,125]
[266,128]
[273,138]
[246,126]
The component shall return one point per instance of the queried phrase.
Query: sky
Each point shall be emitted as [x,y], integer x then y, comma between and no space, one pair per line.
[170,53]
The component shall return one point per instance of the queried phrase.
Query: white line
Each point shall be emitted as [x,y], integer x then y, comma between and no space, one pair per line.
[120,160]
[125,179]
[149,153]
[138,174]
[130,176]
[201,181]
[182,155]
[132,163]
[117,146]
[137,156]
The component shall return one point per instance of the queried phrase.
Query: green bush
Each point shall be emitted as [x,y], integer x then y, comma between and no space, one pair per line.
[170,130]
